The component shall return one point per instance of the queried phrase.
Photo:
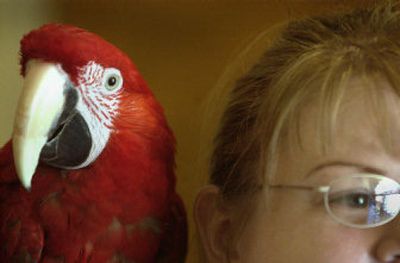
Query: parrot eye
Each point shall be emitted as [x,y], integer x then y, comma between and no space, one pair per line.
[113,79]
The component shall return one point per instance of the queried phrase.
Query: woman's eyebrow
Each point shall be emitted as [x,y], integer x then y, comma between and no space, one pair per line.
[361,167]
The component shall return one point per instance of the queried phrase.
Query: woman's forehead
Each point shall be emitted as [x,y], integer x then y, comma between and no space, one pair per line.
[366,130]
[365,110]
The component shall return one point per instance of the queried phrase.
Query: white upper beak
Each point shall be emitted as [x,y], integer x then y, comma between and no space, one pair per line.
[39,107]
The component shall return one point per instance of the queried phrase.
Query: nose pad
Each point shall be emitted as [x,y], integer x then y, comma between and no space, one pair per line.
[388,250]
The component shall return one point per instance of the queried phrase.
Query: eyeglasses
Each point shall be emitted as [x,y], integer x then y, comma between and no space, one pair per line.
[360,200]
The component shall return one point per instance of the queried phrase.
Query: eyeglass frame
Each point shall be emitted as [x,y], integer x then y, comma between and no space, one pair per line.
[325,191]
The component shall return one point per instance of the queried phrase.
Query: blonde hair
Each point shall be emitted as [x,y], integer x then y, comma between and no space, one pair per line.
[312,59]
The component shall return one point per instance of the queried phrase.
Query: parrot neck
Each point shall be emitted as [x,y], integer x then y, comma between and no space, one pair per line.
[141,146]
[130,155]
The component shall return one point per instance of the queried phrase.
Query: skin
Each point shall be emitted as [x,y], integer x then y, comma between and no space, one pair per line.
[290,225]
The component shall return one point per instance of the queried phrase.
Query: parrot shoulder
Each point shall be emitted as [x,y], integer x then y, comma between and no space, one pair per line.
[173,244]
[21,238]
[23,241]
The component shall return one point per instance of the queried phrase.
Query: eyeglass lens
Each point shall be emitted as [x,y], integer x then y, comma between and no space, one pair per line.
[363,200]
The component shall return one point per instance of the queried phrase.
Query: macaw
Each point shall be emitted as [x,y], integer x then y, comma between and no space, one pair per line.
[88,175]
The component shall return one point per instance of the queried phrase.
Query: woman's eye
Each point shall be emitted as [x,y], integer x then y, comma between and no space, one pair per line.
[357,200]
[353,199]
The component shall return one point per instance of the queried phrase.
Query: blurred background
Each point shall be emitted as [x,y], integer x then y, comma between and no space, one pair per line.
[190,52]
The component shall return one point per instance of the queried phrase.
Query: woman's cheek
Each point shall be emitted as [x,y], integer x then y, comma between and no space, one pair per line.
[296,233]
[333,242]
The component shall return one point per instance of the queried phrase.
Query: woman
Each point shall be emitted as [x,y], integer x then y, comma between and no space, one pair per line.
[306,165]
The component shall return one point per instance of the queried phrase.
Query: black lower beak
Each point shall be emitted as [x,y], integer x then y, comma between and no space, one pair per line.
[70,141]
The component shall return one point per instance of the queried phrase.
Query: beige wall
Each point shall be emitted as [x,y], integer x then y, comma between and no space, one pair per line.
[181,48]
[16,18]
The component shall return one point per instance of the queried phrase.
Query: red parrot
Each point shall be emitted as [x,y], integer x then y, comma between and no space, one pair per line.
[88,175]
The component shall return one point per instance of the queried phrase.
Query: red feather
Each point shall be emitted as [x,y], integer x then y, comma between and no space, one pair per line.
[123,207]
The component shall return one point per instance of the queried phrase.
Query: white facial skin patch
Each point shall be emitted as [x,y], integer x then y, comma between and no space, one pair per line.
[100,92]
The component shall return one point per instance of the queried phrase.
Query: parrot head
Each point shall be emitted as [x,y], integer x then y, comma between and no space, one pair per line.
[74,87]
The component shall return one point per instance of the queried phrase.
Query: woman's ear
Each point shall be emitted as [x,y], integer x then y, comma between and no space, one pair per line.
[214,225]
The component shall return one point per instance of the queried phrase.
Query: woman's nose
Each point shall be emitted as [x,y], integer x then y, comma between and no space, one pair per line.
[388,250]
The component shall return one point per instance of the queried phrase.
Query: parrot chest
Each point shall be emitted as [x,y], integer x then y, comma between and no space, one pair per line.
[76,217]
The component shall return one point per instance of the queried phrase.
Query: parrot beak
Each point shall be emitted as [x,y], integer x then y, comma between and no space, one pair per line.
[39,108]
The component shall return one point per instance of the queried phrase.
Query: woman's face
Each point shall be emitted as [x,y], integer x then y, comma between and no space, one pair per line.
[292,225]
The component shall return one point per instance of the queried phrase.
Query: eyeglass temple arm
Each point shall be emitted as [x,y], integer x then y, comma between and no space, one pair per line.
[321,189]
